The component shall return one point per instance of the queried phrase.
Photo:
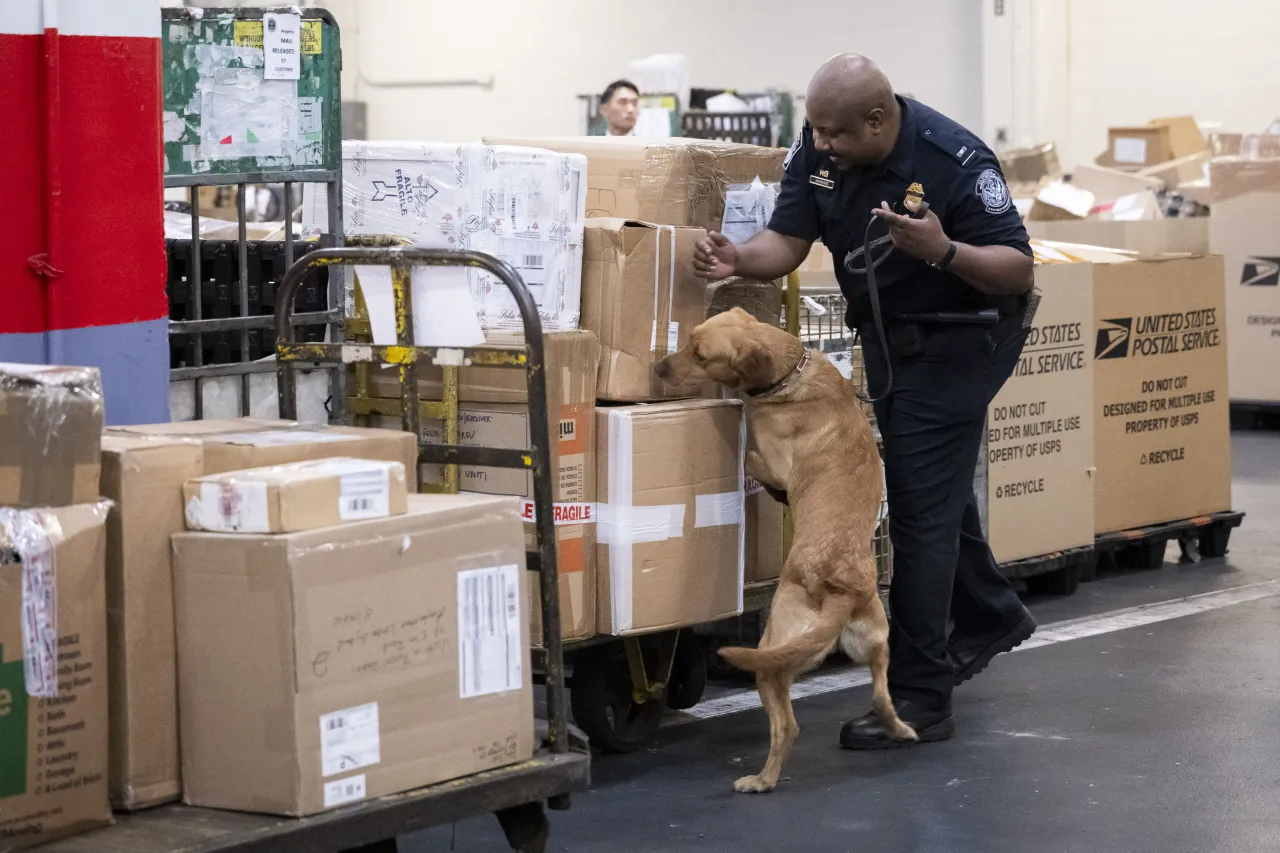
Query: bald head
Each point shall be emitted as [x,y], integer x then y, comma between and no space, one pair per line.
[853,111]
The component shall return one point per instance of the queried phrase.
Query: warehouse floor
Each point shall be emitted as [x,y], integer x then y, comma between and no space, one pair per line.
[1145,723]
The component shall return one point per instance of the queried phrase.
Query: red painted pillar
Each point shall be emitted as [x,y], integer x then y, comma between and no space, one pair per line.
[82,264]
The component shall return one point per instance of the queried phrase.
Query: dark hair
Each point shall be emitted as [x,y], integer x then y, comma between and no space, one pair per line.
[615,86]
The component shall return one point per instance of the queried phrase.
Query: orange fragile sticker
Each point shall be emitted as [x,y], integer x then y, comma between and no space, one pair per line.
[569,555]
[573,429]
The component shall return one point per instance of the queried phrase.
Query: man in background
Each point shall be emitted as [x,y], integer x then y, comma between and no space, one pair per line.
[620,107]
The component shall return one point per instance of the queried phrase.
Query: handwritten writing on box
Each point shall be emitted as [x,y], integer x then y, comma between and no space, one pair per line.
[362,642]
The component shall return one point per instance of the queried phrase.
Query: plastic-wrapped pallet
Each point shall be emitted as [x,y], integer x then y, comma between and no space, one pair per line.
[523,205]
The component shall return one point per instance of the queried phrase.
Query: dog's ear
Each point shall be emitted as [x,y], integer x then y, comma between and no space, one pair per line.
[753,362]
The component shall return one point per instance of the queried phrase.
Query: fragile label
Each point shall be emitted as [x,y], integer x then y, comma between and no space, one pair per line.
[753,486]
[345,791]
[231,507]
[349,739]
[281,46]
[563,513]
[490,652]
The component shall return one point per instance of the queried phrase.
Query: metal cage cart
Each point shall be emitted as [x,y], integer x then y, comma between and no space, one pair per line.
[228,127]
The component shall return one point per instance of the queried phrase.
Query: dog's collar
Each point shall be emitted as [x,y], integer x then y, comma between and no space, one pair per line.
[784,381]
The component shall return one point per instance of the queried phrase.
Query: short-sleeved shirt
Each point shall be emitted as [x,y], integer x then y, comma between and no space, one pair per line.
[957,174]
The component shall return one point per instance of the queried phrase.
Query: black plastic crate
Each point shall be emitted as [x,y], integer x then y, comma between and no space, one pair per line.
[749,128]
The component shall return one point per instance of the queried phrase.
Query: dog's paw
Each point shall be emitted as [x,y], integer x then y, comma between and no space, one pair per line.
[752,785]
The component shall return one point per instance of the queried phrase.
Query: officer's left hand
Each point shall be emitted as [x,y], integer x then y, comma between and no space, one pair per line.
[921,238]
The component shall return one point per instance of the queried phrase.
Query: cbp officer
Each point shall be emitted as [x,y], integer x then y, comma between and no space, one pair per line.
[865,152]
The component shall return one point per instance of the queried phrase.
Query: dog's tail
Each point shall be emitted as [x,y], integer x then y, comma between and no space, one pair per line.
[835,614]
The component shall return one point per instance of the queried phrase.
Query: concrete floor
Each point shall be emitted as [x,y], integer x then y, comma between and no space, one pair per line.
[1157,737]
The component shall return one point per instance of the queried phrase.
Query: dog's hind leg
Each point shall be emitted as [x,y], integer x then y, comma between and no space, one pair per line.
[775,695]
[866,640]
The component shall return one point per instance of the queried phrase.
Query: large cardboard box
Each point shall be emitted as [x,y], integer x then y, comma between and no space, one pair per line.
[765,544]
[818,272]
[667,181]
[198,429]
[493,411]
[1244,227]
[1137,147]
[1039,448]
[1161,420]
[50,426]
[1151,236]
[337,665]
[642,298]
[53,674]
[143,477]
[300,496]
[671,517]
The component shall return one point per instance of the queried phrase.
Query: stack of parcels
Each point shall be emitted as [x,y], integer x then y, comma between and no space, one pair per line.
[493,411]
[53,617]
[521,205]
[306,658]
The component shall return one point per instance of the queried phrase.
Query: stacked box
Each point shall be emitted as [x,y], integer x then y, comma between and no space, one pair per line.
[524,206]
[332,666]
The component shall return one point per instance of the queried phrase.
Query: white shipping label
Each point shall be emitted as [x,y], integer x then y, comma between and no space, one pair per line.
[231,507]
[282,46]
[364,491]
[345,791]
[1127,149]
[349,739]
[490,653]
[673,337]
[34,535]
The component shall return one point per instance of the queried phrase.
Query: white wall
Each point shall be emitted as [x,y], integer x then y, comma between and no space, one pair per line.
[542,54]
[1065,70]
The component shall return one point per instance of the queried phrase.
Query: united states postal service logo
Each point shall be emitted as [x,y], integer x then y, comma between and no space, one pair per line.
[994,194]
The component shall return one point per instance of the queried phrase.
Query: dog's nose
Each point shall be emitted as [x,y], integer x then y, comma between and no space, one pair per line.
[662,369]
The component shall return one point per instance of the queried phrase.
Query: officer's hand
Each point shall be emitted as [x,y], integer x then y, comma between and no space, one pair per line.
[714,257]
[921,238]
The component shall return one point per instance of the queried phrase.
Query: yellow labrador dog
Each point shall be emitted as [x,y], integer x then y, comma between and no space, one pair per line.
[808,437]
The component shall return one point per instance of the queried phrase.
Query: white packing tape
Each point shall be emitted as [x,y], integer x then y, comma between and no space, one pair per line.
[635,525]
[718,509]
[34,535]
[742,498]
[620,589]
[672,334]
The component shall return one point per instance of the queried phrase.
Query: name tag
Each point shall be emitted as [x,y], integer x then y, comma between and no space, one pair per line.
[825,183]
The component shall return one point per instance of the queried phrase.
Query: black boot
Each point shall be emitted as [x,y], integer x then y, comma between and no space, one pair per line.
[867,732]
[971,656]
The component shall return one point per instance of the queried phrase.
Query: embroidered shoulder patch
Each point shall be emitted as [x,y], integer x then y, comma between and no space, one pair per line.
[993,192]
[795,146]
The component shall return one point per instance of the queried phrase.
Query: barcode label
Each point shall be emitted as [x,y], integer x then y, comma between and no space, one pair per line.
[345,791]
[349,739]
[531,262]
[673,337]
[364,491]
[490,653]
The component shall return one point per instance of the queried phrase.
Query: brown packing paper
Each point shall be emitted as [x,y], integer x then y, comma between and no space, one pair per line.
[668,181]
[143,477]
[53,751]
[1040,427]
[306,659]
[493,412]
[671,530]
[50,426]
[642,299]
[294,497]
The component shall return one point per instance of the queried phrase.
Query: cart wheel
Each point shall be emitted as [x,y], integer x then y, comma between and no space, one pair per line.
[603,704]
[1143,555]
[688,673]
[1213,541]
[1058,582]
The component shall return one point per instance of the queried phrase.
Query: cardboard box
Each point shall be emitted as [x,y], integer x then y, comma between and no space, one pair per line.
[1185,137]
[765,541]
[521,205]
[143,477]
[494,412]
[1060,200]
[1245,230]
[50,427]
[671,529]
[1030,165]
[1040,426]
[642,298]
[761,299]
[1137,147]
[337,665]
[238,451]
[818,270]
[300,496]
[1161,417]
[197,429]
[667,181]
[53,689]
[1110,185]
[1144,236]
[1175,172]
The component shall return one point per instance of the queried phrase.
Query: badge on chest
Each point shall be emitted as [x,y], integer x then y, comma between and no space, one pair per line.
[823,179]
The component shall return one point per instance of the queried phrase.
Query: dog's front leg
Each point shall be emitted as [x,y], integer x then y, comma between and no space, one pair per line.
[775,695]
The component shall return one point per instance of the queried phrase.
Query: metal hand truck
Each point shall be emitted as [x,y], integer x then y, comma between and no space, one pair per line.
[515,793]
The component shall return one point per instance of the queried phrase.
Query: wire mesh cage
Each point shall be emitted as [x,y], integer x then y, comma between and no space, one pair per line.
[750,128]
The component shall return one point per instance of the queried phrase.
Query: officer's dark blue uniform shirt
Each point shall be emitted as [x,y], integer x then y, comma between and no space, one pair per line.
[961,180]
